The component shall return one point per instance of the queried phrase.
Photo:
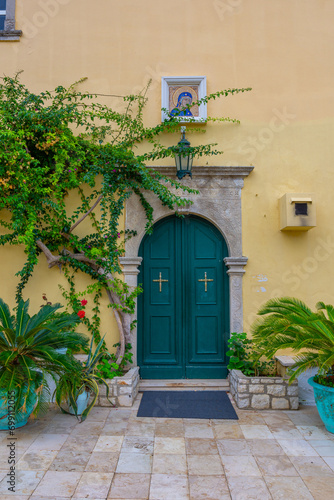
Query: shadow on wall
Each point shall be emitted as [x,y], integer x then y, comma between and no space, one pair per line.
[306,395]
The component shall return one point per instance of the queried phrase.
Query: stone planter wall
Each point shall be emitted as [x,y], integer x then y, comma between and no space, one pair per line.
[263,393]
[122,390]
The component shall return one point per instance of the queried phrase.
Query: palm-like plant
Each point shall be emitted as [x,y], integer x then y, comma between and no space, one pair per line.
[81,379]
[28,352]
[290,324]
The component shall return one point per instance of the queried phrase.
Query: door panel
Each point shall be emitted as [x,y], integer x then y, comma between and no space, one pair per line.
[183,321]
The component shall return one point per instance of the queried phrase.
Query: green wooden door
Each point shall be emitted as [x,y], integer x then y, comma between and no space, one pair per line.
[183,313]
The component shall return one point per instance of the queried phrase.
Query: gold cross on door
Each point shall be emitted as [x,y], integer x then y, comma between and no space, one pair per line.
[160,280]
[206,280]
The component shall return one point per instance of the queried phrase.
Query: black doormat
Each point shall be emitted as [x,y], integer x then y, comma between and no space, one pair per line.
[186,404]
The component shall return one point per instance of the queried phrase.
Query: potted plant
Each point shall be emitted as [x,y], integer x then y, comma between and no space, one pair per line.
[28,354]
[78,387]
[287,323]
[254,381]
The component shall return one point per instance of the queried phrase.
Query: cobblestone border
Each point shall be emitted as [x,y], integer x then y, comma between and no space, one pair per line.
[122,390]
[263,393]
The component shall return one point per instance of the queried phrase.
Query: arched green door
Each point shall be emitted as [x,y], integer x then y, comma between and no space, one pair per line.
[183,313]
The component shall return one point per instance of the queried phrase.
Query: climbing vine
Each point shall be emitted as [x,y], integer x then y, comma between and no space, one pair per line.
[61,143]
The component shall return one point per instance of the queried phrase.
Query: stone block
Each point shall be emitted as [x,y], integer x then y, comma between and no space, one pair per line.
[294,403]
[104,402]
[267,380]
[255,380]
[279,380]
[292,390]
[125,400]
[280,404]
[125,390]
[256,388]
[243,403]
[260,401]
[276,390]
[125,381]
[243,388]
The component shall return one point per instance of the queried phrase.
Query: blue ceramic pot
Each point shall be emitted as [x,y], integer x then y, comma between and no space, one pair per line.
[82,403]
[8,420]
[324,399]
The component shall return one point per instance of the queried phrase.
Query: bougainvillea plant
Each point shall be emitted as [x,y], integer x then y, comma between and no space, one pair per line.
[55,144]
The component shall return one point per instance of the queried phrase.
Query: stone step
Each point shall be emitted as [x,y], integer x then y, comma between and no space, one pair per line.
[184,385]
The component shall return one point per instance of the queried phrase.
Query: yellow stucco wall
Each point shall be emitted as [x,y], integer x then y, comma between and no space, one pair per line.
[283,49]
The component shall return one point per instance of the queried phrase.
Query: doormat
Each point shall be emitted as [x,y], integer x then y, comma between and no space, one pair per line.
[186,404]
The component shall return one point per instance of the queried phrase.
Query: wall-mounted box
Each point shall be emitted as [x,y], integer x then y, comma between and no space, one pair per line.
[297,211]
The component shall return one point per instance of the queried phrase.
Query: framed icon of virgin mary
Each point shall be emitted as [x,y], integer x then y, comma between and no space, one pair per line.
[179,98]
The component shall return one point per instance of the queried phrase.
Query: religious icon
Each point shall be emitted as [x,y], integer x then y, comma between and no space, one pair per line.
[181,98]
[179,95]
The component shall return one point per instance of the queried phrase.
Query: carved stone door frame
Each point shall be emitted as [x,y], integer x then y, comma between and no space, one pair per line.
[218,201]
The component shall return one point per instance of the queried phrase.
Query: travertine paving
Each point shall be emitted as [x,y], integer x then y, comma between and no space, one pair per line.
[115,455]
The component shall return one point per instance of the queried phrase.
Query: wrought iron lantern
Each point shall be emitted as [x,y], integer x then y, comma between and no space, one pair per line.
[183,157]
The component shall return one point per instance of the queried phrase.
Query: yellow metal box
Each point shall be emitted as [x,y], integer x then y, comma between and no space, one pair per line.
[297,211]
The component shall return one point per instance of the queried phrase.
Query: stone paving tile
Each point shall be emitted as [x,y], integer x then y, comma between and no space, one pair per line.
[60,427]
[93,485]
[130,486]
[71,461]
[324,447]
[140,429]
[88,429]
[277,466]
[264,447]
[201,446]
[48,442]
[36,460]
[286,433]
[58,484]
[168,487]
[169,429]
[250,418]
[249,488]
[118,414]
[329,461]
[25,482]
[305,417]
[169,445]
[80,443]
[228,431]
[240,466]
[233,447]
[15,497]
[256,431]
[135,444]
[273,419]
[139,463]
[287,488]
[207,465]
[310,432]
[109,443]
[98,414]
[198,431]
[142,420]
[320,489]
[297,447]
[101,461]
[167,463]
[116,428]
[208,488]
[311,466]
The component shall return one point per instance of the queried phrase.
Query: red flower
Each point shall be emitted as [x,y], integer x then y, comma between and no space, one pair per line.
[83,302]
[81,314]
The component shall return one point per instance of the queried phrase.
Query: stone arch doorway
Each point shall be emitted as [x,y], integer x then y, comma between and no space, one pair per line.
[183,312]
[219,202]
